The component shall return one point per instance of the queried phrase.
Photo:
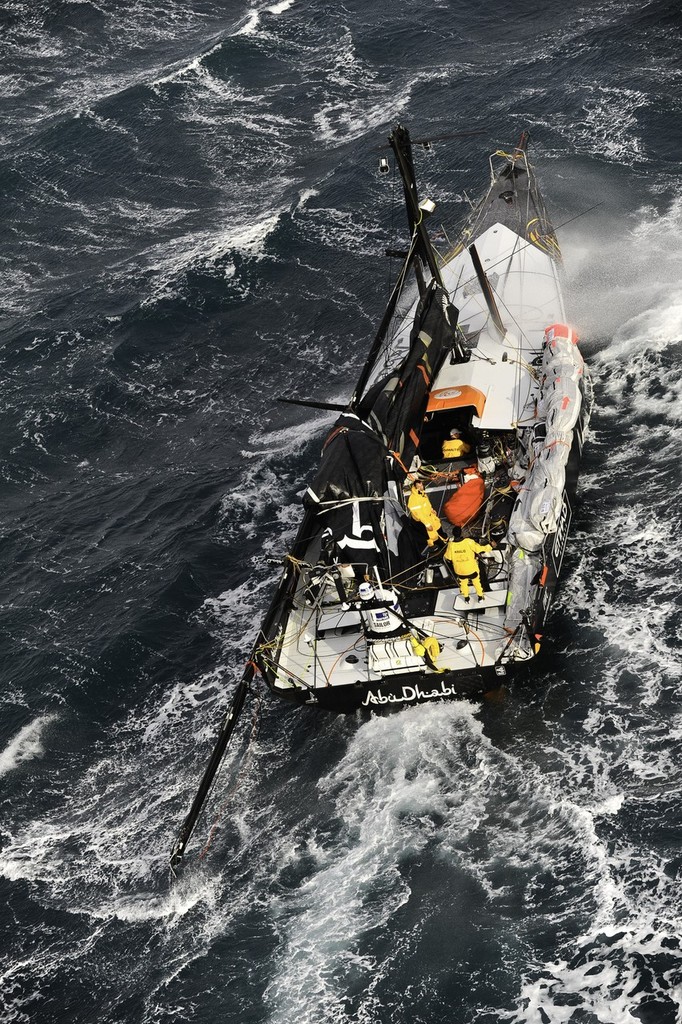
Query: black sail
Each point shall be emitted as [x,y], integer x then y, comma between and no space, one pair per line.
[395,406]
[388,420]
[368,449]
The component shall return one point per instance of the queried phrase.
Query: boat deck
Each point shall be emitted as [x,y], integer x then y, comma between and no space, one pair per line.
[324,643]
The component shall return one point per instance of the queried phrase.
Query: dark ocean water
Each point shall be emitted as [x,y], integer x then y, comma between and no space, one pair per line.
[192,225]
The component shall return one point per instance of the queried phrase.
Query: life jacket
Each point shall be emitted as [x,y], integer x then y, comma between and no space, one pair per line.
[466,502]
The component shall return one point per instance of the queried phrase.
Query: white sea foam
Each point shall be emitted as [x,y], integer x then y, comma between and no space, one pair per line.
[99,853]
[252,21]
[603,979]
[625,586]
[291,440]
[609,126]
[238,611]
[251,24]
[185,698]
[262,474]
[168,262]
[340,229]
[305,195]
[176,903]
[102,854]
[339,120]
[89,82]
[191,67]
[635,261]
[634,909]
[335,908]
[26,745]
[426,779]
[433,764]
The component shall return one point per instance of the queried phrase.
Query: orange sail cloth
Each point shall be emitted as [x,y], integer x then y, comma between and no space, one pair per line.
[465,503]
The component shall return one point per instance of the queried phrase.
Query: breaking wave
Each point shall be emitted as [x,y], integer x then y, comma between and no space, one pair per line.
[26,745]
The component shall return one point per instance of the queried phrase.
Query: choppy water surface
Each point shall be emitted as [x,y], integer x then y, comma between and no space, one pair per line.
[193,225]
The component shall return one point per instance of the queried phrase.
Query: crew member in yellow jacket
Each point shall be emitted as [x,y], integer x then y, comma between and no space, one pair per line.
[421,509]
[455,447]
[461,553]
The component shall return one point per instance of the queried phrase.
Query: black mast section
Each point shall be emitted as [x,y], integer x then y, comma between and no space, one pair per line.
[400,142]
[421,254]
[487,291]
[224,735]
[310,404]
[383,328]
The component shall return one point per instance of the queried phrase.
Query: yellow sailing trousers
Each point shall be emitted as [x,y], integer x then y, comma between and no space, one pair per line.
[461,554]
[464,582]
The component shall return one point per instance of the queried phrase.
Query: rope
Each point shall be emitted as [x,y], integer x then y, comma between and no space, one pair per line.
[402,465]
[467,629]
[352,647]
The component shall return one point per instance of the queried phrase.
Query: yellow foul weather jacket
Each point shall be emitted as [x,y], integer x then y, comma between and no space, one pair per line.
[455,448]
[421,509]
[462,555]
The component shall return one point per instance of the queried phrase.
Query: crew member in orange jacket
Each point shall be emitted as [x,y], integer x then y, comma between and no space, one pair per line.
[421,509]
[461,553]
